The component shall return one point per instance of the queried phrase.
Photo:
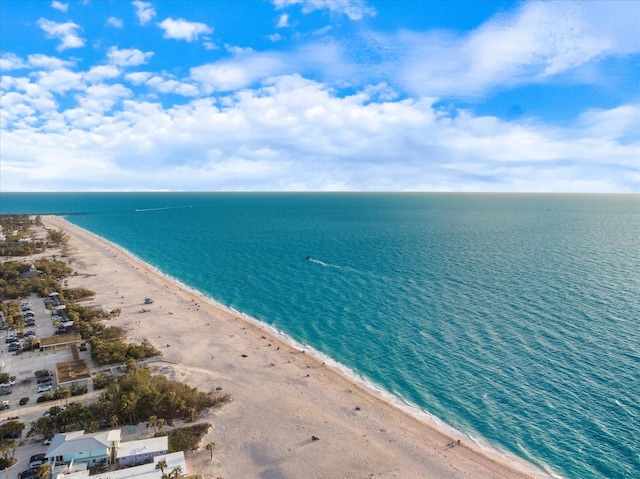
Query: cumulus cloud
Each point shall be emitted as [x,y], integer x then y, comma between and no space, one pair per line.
[66,32]
[236,74]
[11,61]
[292,133]
[114,22]
[60,6]
[127,57]
[144,11]
[101,72]
[353,9]
[46,62]
[283,21]
[182,29]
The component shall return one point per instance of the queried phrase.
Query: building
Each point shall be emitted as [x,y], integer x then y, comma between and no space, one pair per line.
[75,453]
[78,447]
[132,453]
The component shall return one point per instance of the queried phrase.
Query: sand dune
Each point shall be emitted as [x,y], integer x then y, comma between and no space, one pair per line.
[282,397]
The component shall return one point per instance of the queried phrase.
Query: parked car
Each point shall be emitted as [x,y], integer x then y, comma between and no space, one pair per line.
[30,473]
[29,332]
[4,405]
[37,460]
[24,401]
[30,322]
[44,380]
[10,338]
[14,347]
[44,387]
[8,384]
[5,391]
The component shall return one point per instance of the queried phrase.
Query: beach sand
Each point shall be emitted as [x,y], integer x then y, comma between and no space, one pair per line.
[282,396]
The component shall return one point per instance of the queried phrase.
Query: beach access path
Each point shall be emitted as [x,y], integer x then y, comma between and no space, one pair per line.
[283,397]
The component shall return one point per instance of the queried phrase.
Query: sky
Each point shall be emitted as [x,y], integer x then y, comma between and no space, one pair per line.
[320,95]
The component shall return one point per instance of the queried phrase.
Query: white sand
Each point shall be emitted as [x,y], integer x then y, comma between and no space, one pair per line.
[281,396]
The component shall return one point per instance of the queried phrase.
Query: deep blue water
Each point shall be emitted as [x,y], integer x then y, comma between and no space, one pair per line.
[514,318]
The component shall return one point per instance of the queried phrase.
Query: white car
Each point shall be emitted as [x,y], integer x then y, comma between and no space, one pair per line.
[5,403]
[44,387]
[8,384]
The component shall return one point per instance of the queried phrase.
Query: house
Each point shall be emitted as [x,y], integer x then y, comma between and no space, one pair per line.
[132,453]
[90,449]
[145,471]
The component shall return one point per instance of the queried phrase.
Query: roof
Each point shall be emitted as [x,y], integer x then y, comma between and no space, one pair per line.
[70,443]
[60,340]
[143,446]
[144,471]
[70,371]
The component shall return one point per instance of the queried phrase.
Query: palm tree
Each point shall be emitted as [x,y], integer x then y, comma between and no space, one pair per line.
[44,470]
[161,465]
[210,447]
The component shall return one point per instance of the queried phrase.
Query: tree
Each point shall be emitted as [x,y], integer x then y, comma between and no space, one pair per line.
[58,237]
[161,465]
[210,447]
[44,470]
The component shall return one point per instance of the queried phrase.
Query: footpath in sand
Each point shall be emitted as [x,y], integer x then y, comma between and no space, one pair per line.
[283,398]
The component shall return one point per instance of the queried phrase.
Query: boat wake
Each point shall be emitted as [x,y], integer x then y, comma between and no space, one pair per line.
[317,261]
[139,210]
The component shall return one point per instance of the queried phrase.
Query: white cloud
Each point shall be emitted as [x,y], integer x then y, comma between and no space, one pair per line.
[101,72]
[60,81]
[114,22]
[11,61]
[101,98]
[353,9]
[182,29]
[237,73]
[67,33]
[46,62]
[60,6]
[127,57]
[144,11]
[138,78]
[283,21]
[534,43]
[295,134]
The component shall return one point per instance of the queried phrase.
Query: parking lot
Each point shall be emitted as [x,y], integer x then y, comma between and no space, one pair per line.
[23,366]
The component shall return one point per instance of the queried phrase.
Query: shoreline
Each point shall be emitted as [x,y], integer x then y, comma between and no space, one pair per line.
[282,396]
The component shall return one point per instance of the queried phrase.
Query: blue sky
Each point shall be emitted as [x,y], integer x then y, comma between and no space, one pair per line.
[320,95]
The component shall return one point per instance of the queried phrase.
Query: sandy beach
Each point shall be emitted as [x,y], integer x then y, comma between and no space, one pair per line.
[282,395]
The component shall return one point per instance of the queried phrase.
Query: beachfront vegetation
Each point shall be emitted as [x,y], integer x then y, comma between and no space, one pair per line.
[136,396]
[18,240]
[107,344]
[186,438]
[51,272]
[57,237]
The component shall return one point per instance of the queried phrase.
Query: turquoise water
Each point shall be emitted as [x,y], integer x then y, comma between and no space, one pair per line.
[514,318]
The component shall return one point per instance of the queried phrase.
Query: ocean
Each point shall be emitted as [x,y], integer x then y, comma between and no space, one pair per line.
[513,318]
